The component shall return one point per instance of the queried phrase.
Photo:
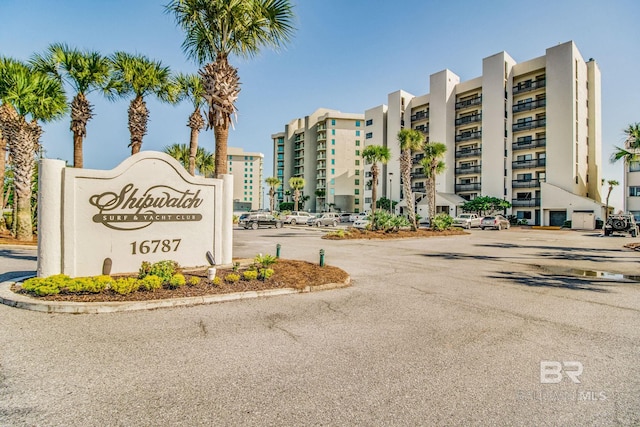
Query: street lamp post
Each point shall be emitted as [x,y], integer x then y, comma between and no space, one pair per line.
[390,193]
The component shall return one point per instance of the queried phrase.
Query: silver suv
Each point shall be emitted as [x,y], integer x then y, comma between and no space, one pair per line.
[326,219]
[621,223]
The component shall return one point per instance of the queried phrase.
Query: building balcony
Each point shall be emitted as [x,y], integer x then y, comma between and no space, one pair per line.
[422,128]
[469,102]
[321,156]
[468,119]
[298,163]
[525,183]
[322,147]
[299,155]
[528,164]
[529,85]
[321,127]
[528,144]
[469,170]
[420,115]
[418,175]
[472,186]
[419,189]
[525,203]
[529,105]
[320,186]
[298,170]
[322,136]
[416,159]
[531,124]
[321,166]
[299,137]
[298,146]
[469,152]
[468,136]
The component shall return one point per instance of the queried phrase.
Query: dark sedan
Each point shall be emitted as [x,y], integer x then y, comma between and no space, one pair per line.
[262,220]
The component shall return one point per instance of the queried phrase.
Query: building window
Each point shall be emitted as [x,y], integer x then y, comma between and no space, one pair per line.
[357,162]
[356,201]
[357,123]
[333,151]
[367,200]
[357,133]
[369,135]
[333,171]
[634,166]
[357,182]
[636,214]
[634,191]
[357,152]
[369,122]
[333,122]
[333,131]
[357,171]
[357,143]
[356,191]
[332,191]
[333,161]
[333,142]
[523,214]
[333,181]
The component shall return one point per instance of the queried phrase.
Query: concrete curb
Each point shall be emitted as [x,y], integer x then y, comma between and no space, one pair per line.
[7,297]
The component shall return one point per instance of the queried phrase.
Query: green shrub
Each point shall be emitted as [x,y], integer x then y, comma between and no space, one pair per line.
[265,260]
[216,281]
[231,278]
[151,283]
[79,285]
[250,275]
[265,273]
[163,269]
[442,221]
[176,281]
[236,218]
[387,222]
[101,283]
[51,285]
[125,285]
[339,234]
[193,281]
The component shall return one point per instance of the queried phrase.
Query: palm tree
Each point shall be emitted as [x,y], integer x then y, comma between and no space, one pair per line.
[27,97]
[189,87]
[273,183]
[205,163]
[631,151]
[3,169]
[612,183]
[85,72]
[296,184]
[433,165]
[409,139]
[139,76]
[180,152]
[374,154]
[216,29]
[204,160]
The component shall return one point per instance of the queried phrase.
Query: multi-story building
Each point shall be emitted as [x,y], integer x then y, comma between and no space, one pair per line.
[323,148]
[525,132]
[631,184]
[246,169]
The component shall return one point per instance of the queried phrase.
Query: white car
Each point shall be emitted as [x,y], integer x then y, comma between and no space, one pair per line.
[361,223]
[297,217]
[356,216]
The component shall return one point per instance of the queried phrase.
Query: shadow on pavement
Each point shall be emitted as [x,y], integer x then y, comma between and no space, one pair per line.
[16,254]
[15,274]
[553,281]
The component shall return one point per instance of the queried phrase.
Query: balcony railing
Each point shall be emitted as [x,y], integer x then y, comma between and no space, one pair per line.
[469,119]
[473,186]
[420,115]
[469,102]
[467,136]
[529,85]
[416,159]
[423,128]
[527,164]
[299,155]
[525,183]
[469,152]
[531,124]
[321,166]
[321,156]
[299,138]
[525,203]
[418,175]
[468,170]
[529,105]
[529,143]
[321,126]
[322,147]
[321,136]
[418,189]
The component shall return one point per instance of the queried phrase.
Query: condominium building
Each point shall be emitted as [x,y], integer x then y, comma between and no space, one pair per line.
[323,148]
[632,185]
[527,132]
[246,169]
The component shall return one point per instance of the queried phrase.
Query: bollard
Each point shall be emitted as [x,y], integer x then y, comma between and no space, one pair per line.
[278,250]
[321,257]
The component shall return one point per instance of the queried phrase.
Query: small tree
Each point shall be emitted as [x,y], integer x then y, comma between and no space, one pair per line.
[483,204]
[273,183]
[612,183]
[296,184]
[409,140]
[433,166]
[374,154]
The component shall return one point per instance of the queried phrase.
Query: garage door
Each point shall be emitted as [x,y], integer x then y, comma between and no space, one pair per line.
[557,218]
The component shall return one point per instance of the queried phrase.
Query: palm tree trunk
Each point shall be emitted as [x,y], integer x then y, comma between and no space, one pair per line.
[3,170]
[221,133]
[138,118]
[374,187]
[23,147]
[432,196]
[405,168]
[196,123]
[296,197]
[81,113]
[77,150]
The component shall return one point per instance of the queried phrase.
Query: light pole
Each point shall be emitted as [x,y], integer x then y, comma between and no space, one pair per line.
[390,193]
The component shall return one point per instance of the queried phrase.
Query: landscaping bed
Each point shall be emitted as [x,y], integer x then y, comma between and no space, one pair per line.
[355,233]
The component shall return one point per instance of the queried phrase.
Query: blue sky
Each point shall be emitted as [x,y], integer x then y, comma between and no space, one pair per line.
[346,55]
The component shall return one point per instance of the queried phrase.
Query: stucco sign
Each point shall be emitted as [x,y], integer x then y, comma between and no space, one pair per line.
[146,209]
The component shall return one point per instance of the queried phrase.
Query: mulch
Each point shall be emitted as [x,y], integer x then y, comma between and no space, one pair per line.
[355,233]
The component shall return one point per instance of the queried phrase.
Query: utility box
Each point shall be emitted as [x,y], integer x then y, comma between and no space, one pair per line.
[583,221]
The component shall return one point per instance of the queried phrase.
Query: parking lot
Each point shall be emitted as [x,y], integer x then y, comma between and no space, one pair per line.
[438,331]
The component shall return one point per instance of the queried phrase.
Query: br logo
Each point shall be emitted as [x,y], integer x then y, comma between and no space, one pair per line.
[551,371]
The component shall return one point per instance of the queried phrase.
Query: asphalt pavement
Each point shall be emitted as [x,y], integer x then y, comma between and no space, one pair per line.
[438,331]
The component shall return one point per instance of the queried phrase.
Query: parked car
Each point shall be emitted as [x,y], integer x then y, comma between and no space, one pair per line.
[326,219]
[467,220]
[345,217]
[243,218]
[361,223]
[254,221]
[297,217]
[497,222]
[356,216]
[621,223]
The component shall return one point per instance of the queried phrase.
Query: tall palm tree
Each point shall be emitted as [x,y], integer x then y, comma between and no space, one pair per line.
[27,97]
[84,72]
[3,169]
[216,29]
[631,151]
[296,184]
[433,165]
[139,76]
[409,140]
[273,183]
[612,183]
[375,154]
[189,87]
